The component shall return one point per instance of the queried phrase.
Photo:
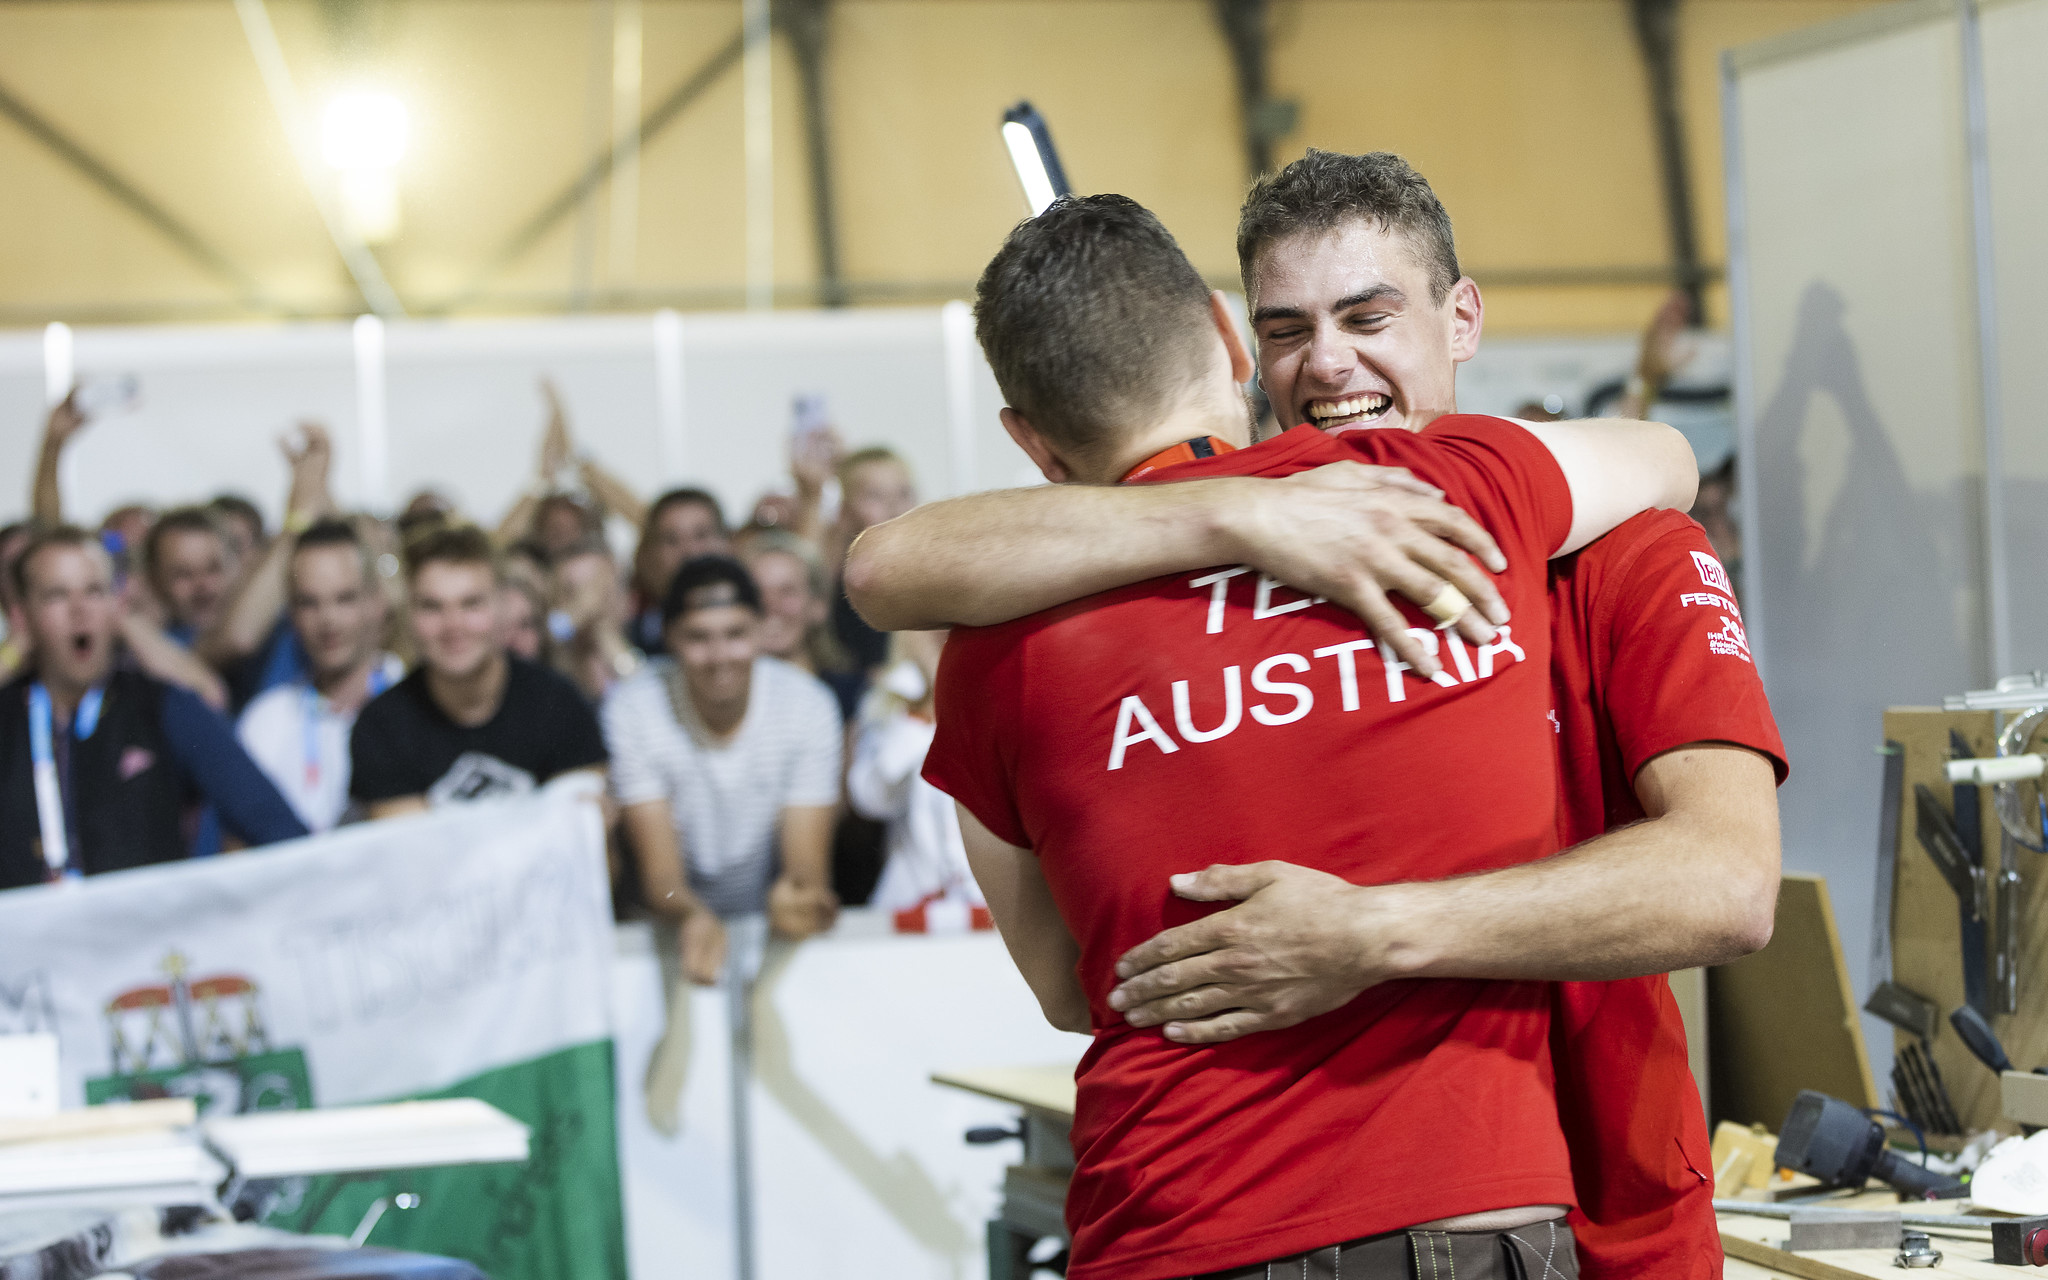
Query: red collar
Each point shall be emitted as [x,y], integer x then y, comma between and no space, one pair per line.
[1185,451]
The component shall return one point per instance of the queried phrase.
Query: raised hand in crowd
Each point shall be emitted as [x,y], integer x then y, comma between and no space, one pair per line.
[1663,353]
[814,458]
[254,616]
[46,497]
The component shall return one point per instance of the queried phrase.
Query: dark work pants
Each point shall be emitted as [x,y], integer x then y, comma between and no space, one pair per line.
[1542,1251]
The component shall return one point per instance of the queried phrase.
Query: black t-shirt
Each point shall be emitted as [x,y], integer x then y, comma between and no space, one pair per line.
[405,745]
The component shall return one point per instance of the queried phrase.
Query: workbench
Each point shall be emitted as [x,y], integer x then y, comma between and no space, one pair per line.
[1034,1196]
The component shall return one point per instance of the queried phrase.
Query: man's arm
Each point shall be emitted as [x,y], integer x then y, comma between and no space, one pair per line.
[46,493]
[259,601]
[160,656]
[651,828]
[1694,884]
[1347,532]
[801,902]
[206,745]
[1040,944]
[1617,468]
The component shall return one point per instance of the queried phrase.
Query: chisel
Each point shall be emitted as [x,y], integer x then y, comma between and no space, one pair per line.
[1968,816]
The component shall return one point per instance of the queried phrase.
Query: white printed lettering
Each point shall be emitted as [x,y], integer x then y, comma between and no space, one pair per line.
[1501,644]
[1712,574]
[1347,668]
[1219,587]
[1233,708]
[1461,659]
[1263,606]
[1135,712]
[1709,599]
[1303,699]
[1394,666]
[1730,641]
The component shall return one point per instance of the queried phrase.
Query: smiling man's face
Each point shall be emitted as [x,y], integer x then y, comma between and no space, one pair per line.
[1351,334]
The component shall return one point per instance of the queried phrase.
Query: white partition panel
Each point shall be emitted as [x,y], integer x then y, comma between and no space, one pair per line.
[213,403]
[1858,382]
[2015,41]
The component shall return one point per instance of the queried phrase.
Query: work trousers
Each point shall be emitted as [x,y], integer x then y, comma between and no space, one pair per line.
[1541,1251]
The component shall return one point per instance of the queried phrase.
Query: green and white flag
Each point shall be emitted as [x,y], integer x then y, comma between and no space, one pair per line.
[463,953]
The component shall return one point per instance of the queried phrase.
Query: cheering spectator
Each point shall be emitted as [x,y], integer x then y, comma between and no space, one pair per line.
[252,643]
[242,524]
[874,486]
[98,765]
[523,613]
[680,525]
[472,722]
[927,862]
[796,590]
[725,763]
[298,732]
[588,620]
[185,559]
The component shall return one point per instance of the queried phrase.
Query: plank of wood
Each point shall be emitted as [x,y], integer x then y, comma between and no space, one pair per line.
[94,1122]
[1049,1089]
[1779,1262]
[1785,1019]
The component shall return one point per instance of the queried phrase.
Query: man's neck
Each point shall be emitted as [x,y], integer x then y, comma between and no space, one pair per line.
[1187,424]
[65,695]
[472,699]
[347,688]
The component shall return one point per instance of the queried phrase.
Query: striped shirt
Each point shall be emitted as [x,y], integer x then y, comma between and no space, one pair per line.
[726,799]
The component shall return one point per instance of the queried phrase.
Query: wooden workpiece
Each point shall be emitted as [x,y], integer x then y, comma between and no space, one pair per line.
[1755,1248]
[1926,932]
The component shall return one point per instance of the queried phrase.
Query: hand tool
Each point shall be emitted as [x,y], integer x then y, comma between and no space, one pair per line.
[1981,1039]
[1944,844]
[1890,796]
[1905,1009]
[1831,1140]
[1968,816]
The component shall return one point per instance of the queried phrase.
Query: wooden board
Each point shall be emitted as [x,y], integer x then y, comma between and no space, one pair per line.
[1049,1089]
[1785,1019]
[1927,931]
[1689,989]
[1758,1243]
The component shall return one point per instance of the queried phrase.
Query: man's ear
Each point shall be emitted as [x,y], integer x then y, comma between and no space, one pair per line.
[1468,317]
[1037,446]
[1241,368]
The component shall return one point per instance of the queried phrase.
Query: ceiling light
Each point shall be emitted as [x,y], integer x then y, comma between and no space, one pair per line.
[1031,151]
[363,129]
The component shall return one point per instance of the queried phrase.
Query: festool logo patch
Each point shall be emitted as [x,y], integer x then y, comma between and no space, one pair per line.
[199,1038]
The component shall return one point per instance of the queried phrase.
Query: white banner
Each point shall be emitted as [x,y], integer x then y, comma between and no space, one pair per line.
[466,951]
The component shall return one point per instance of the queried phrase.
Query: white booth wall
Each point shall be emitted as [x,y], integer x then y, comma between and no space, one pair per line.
[1879,569]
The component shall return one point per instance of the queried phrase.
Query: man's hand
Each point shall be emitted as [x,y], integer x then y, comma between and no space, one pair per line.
[555,446]
[310,459]
[703,946]
[1300,943]
[1352,533]
[64,421]
[813,458]
[799,910]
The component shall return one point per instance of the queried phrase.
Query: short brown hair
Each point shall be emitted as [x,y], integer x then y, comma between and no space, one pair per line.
[177,520]
[64,535]
[1324,189]
[1093,319]
[335,532]
[452,544]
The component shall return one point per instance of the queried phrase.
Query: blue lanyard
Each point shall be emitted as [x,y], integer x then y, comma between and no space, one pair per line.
[48,786]
[309,722]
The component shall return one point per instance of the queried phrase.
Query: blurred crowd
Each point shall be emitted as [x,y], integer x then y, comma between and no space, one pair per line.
[190,681]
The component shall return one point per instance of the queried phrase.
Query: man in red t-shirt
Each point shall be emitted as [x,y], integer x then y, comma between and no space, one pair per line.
[1420,1116]
[1362,318]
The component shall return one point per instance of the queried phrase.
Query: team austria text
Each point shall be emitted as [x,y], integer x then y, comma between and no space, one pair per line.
[1291,700]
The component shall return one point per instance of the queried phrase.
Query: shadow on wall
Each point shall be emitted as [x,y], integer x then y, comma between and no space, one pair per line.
[1869,606]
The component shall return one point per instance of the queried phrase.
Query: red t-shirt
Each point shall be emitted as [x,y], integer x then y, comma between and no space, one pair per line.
[1649,655]
[1218,717]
